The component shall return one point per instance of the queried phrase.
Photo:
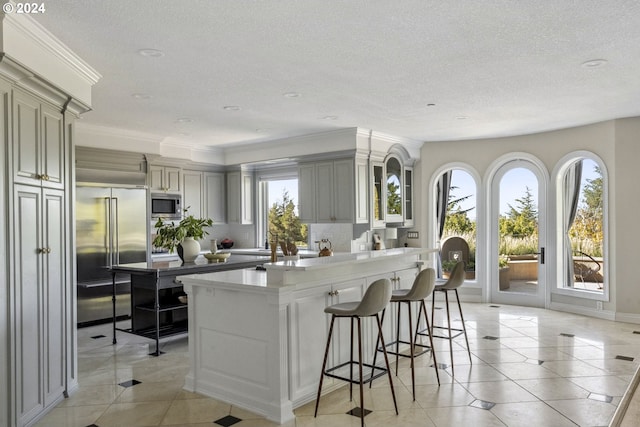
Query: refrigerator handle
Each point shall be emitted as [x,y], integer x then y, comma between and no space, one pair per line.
[116,232]
[107,236]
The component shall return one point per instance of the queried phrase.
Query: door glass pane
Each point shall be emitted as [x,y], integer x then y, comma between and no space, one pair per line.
[518,232]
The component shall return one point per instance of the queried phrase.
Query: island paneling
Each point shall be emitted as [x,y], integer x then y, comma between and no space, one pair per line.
[256,338]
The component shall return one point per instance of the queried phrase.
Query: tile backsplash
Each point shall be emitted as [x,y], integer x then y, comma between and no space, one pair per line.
[340,236]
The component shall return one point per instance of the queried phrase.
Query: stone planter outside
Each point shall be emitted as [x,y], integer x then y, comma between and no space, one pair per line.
[504,278]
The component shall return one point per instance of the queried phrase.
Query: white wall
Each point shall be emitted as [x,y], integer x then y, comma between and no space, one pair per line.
[616,142]
[626,175]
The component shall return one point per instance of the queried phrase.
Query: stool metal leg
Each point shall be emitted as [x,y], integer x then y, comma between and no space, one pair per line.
[398,336]
[324,363]
[411,351]
[446,297]
[386,361]
[351,364]
[433,351]
[464,328]
[375,349]
[360,369]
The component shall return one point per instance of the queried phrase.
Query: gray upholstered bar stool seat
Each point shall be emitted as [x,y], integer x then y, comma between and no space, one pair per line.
[375,299]
[456,279]
[422,287]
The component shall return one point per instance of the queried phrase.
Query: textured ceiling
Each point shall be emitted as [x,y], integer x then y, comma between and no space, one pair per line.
[492,68]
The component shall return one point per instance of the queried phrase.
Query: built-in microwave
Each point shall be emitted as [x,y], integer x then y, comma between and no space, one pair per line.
[166,206]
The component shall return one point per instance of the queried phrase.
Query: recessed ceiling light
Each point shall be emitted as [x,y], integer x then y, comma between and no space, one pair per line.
[151,53]
[461,117]
[184,120]
[231,108]
[291,95]
[594,63]
[330,118]
[141,96]
[184,134]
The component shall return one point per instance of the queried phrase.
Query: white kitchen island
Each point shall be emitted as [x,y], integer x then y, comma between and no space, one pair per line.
[256,338]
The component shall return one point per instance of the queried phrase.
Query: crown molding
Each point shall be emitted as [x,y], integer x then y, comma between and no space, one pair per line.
[39,35]
[34,59]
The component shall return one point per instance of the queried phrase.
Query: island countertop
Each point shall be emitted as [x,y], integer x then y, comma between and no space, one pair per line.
[163,268]
[305,272]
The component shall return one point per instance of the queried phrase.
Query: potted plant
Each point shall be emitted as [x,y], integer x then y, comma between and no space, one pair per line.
[184,236]
[503,272]
[447,266]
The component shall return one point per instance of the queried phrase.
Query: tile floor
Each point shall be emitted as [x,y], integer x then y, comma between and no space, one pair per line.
[544,369]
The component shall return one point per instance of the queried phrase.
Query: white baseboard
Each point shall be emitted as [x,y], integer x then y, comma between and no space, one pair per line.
[585,311]
[628,318]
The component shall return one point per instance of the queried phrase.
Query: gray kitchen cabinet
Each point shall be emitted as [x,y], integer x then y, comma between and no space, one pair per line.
[214,197]
[164,178]
[333,191]
[193,193]
[39,298]
[307,193]
[38,155]
[239,197]
[39,236]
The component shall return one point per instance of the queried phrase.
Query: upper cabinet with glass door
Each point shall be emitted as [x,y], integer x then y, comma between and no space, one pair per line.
[392,189]
[394,195]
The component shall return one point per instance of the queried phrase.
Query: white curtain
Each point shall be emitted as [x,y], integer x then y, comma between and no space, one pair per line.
[572,179]
[442,199]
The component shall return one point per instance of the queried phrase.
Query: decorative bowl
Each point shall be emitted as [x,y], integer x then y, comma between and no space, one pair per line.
[218,256]
[226,243]
[182,299]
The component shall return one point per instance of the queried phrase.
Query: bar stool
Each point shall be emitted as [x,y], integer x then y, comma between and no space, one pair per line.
[456,279]
[422,287]
[373,302]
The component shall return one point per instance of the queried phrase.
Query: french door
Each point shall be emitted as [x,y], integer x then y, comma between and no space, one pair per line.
[517,273]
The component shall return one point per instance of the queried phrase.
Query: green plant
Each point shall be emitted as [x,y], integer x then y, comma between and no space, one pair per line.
[169,235]
[503,261]
[447,265]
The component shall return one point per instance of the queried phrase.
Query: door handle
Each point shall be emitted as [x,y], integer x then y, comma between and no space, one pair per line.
[541,253]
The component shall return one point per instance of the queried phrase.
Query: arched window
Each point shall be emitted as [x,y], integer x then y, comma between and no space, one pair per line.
[582,202]
[456,219]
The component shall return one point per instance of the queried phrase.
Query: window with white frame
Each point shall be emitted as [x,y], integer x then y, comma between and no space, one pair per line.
[278,213]
[456,219]
[583,225]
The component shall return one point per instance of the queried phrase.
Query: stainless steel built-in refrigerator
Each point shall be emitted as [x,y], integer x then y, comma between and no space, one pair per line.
[111,228]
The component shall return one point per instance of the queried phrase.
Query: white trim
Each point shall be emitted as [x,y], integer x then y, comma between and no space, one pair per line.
[585,311]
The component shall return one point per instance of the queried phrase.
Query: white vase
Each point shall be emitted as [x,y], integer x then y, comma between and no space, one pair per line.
[190,249]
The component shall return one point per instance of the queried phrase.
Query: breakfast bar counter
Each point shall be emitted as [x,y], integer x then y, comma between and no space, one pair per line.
[256,338]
